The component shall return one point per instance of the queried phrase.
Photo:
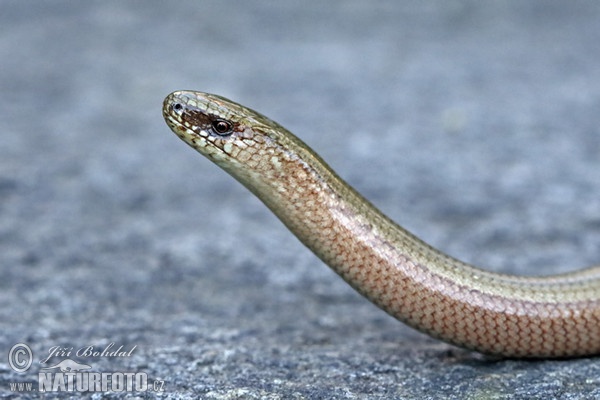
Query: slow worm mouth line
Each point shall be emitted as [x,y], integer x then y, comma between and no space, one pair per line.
[504,315]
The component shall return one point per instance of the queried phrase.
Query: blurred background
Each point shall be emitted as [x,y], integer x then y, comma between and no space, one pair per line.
[474,125]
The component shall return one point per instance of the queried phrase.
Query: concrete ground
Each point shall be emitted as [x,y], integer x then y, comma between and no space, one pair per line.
[473,124]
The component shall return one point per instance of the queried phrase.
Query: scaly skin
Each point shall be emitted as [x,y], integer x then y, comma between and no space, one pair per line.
[505,315]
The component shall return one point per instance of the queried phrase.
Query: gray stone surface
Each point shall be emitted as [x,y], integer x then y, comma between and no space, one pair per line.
[474,124]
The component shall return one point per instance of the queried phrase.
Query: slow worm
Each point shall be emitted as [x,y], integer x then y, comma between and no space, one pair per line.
[504,315]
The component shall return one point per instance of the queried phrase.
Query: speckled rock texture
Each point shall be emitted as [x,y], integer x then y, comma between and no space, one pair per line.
[473,124]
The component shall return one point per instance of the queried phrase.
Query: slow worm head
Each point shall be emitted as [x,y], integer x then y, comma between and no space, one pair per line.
[505,315]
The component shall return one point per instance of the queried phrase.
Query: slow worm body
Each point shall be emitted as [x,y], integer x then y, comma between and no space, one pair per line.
[505,315]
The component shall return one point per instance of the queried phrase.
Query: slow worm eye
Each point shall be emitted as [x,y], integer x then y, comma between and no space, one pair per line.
[222,127]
